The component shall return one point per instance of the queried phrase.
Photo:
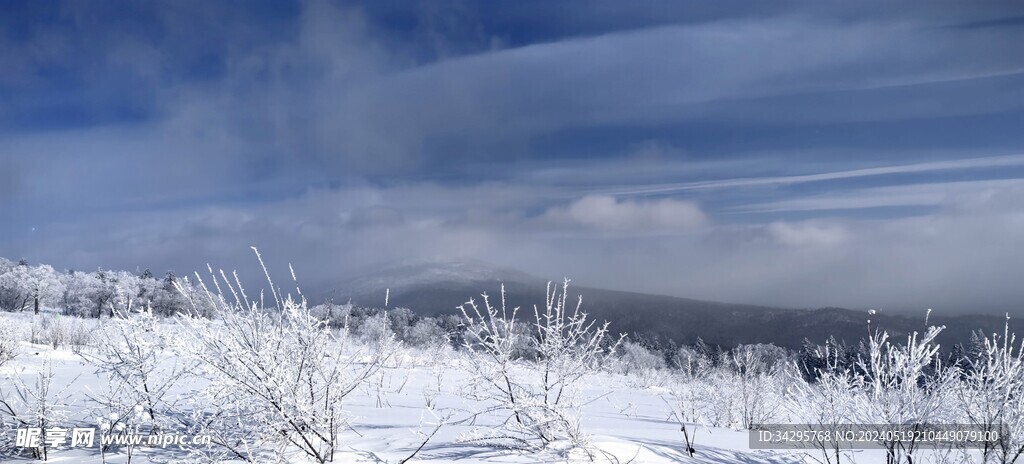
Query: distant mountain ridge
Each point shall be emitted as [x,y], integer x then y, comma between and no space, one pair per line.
[436,288]
[405,276]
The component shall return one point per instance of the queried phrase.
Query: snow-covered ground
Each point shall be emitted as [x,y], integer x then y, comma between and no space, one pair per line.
[623,418]
[626,422]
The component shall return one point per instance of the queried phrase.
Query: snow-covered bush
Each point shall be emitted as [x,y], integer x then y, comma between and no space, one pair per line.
[901,384]
[991,395]
[401,320]
[374,328]
[61,331]
[828,400]
[189,299]
[78,333]
[690,361]
[334,314]
[133,352]
[717,405]
[757,383]
[634,357]
[642,367]
[692,388]
[37,404]
[426,333]
[8,344]
[277,376]
[834,356]
[40,330]
[890,383]
[540,401]
[745,389]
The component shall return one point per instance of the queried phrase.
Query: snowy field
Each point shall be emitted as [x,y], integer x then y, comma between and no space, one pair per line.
[387,423]
[432,404]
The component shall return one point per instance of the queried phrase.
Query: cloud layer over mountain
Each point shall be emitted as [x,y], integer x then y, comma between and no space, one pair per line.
[795,154]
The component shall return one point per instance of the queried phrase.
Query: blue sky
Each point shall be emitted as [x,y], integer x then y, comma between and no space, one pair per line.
[786,153]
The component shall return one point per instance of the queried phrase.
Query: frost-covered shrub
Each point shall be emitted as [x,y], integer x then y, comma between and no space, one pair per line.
[40,331]
[890,383]
[825,397]
[720,401]
[692,388]
[8,344]
[899,382]
[538,400]
[334,315]
[834,356]
[277,377]
[757,385]
[191,300]
[374,328]
[691,361]
[426,333]
[634,357]
[134,352]
[764,357]
[990,394]
[61,331]
[401,320]
[78,333]
[746,388]
[37,403]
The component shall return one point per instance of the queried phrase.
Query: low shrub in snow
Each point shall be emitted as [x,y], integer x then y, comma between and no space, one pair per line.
[635,358]
[38,403]
[277,378]
[8,344]
[540,410]
[61,331]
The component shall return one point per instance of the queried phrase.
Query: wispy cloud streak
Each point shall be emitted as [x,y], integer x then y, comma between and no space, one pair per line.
[949,165]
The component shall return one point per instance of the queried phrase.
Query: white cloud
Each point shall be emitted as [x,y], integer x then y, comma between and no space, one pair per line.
[800,234]
[952,259]
[608,214]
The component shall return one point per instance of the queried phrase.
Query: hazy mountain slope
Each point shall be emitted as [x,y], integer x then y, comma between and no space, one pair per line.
[438,288]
